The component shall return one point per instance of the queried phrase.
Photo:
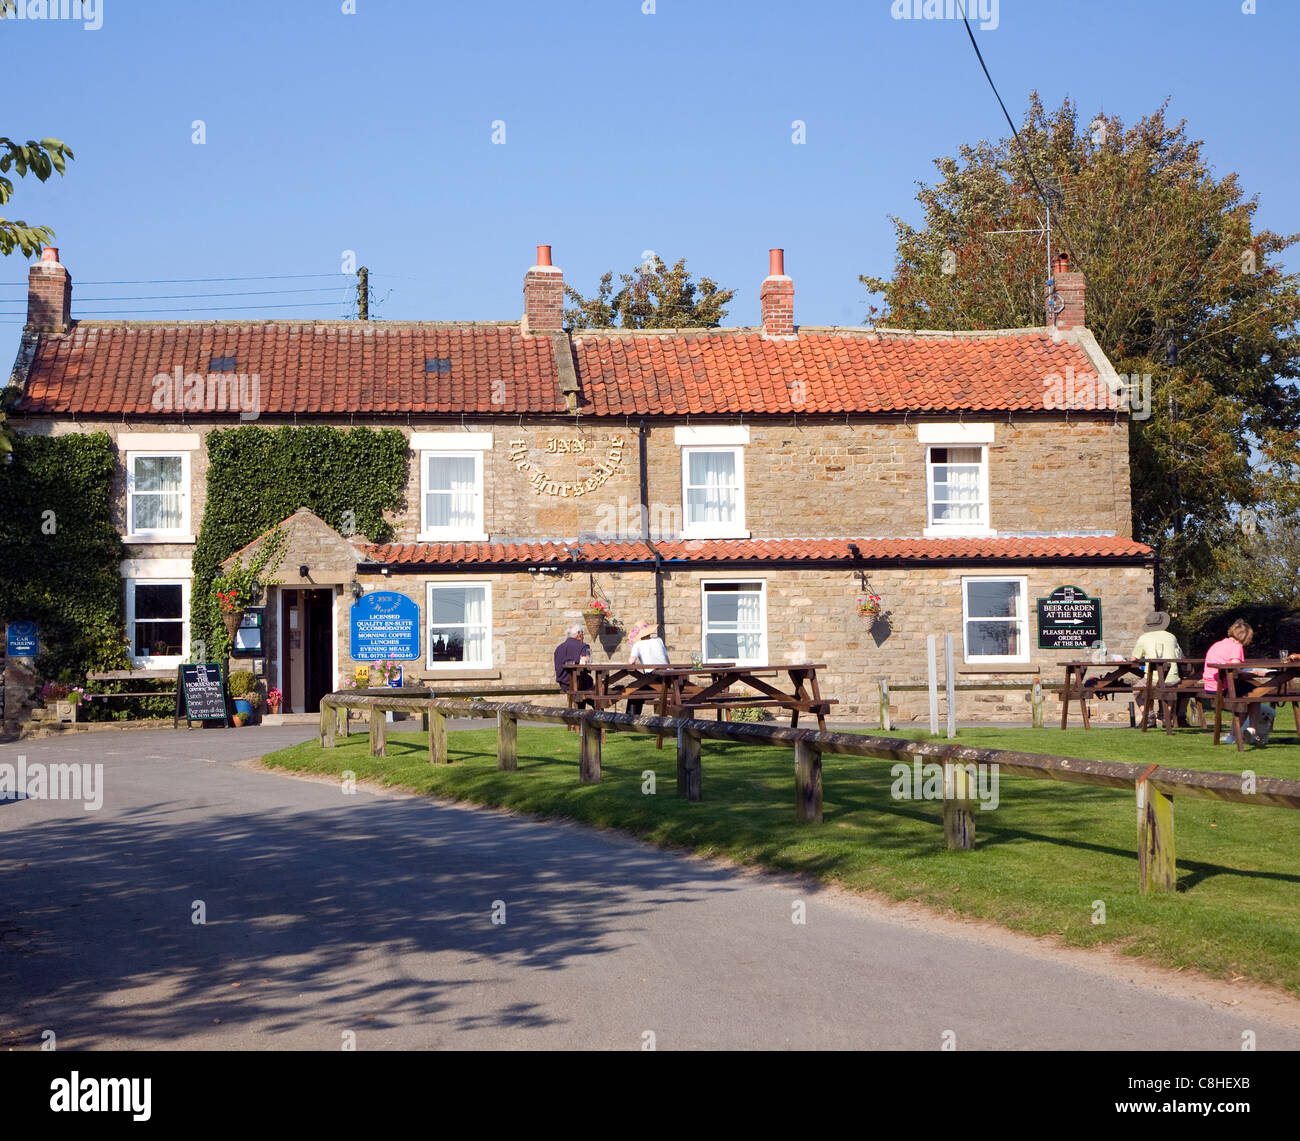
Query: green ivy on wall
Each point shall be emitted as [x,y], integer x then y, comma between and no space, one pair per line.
[60,552]
[258,477]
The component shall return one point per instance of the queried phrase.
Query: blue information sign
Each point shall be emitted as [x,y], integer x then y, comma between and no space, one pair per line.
[21,640]
[385,626]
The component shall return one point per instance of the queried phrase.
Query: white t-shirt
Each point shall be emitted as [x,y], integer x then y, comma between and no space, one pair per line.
[650,652]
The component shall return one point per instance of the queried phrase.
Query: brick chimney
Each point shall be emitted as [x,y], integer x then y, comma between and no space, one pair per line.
[1069,288]
[543,296]
[49,294]
[776,298]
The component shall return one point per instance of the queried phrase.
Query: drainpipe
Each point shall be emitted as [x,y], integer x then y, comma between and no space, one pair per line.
[642,455]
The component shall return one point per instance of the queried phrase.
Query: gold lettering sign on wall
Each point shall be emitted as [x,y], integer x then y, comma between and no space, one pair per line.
[544,485]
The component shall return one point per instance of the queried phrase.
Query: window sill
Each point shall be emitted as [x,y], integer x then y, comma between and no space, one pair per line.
[689,535]
[959,533]
[991,668]
[471,537]
[453,671]
[140,540]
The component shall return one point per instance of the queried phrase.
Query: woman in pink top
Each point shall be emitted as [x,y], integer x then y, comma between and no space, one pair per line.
[1228,651]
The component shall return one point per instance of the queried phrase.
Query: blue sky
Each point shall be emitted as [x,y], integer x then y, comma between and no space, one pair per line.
[624,132]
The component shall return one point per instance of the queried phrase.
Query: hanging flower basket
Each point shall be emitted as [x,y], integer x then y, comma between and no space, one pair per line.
[869,606]
[232,622]
[594,614]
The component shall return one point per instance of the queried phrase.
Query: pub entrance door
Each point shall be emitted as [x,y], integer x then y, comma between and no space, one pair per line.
[307,648]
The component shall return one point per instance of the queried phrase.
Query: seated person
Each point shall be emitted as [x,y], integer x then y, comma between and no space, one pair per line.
[1259,683]
[648,649]
[573,649]
[1157,642]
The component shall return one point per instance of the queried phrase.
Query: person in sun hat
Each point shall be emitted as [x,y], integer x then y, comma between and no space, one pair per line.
[1156,641]
[648,649]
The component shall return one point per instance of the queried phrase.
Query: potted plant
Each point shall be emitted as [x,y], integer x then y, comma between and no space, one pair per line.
[594,614]
[869,606]
[245,694]
[274,699]
[66,699]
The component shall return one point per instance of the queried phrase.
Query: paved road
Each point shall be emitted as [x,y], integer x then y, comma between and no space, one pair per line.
[329,914]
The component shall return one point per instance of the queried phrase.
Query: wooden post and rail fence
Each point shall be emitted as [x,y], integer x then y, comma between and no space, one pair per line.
[1154,786]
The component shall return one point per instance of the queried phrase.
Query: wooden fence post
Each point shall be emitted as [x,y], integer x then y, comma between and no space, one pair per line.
[589,754]
[688,764]
[378,731]
[1036,702]
[886,722]
[327,720]
[437,737]
[1157,869]
[958,809]
[950,685]
[933,684]
[808,782]
[508,742]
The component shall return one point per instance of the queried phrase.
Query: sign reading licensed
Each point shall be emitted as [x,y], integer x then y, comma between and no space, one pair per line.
[385,627]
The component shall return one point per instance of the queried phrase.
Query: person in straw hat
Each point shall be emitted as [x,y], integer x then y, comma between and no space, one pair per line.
[1156,641]
[648,649]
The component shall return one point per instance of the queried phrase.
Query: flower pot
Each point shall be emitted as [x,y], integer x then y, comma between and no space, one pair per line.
[232,622]
[273,708]
[594,620]
[66,710]
[244,707]
[239,719]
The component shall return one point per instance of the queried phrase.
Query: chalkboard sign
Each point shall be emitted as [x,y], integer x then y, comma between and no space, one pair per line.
[200,693]
[1068,620]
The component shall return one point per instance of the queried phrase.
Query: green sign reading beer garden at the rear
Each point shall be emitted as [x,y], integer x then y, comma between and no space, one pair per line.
[1068,620]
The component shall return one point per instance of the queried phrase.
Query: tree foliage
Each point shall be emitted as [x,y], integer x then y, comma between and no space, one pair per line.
[1180,287]
[652,297]
[41,159]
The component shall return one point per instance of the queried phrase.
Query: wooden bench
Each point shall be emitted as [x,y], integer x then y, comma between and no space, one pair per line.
[132,675]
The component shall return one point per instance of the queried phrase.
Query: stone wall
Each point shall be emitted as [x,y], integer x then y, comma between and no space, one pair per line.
[811,616]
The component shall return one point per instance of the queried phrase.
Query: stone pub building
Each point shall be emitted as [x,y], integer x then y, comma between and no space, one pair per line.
[741,487]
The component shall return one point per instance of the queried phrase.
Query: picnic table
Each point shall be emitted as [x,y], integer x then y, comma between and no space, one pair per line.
[1278,675]
[1168,696]
[1107,685]
[675,691]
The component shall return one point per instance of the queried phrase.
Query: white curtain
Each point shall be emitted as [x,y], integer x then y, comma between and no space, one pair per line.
[957,486]
[157,501]
[458,623]
[732,619]
[711,487]
[452,492]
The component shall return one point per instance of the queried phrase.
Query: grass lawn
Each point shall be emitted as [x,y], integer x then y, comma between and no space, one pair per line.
[1042,857]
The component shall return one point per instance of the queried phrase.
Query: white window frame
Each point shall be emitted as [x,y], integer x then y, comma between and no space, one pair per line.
[181,534]
[761,583]
[980,529]
[455,584]
[472,534]
[159,661]
[1021,619]
[736,528]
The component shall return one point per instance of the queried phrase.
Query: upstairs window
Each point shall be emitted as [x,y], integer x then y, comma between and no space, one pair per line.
[157,494]
[713,493]
[957,489]
[452,495]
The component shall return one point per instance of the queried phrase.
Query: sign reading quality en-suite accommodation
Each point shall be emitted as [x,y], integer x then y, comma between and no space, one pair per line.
[385,627]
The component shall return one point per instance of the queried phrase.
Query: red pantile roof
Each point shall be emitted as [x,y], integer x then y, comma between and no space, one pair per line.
[737,371]
[302,368]
[760,551]
[378,368]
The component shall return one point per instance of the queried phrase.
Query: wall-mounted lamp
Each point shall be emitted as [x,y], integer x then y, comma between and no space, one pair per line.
[303,570]
[356,590]
[383,571]
[853,550]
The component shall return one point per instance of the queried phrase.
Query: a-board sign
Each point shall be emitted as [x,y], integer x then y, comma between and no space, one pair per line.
[201,693]
[385,627]
[1068,620]
[21,640]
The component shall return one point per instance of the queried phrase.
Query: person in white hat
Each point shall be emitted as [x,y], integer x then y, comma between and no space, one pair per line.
[648,649]
[1156,641]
